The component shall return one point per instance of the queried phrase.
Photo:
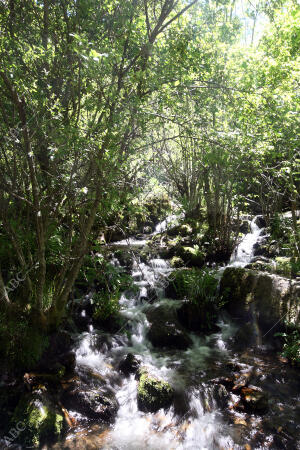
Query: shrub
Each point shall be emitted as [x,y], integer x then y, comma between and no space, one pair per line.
[196,285]
[291,346]
[106,305]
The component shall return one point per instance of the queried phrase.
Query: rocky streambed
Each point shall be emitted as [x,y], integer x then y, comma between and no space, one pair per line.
[153,381]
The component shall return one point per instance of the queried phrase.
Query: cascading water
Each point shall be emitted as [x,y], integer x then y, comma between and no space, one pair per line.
[196,419]
[244,251]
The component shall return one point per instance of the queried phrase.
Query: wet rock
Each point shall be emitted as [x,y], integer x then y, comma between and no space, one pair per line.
[260,249]
[69,361]
[245,227]
[96,404]
[252,296]
[168,334]
[41,420]
[254,399]
[130,364]
[165,330]
[260,222]
[261,266]
[153,393]
[220,395]
[176,262]
[197,317]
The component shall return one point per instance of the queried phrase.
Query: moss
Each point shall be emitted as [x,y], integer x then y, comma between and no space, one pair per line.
[40,420]
[261,266]
[236,283]
[283,266]
[192,256]
[153,393]
[176,262]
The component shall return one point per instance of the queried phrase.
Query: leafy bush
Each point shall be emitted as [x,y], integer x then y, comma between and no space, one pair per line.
[291,346]
[198,286]
[106,305]
[110,281]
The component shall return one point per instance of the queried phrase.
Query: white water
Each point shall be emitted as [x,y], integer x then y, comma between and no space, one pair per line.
[201,426]
[165,224]
[243,253]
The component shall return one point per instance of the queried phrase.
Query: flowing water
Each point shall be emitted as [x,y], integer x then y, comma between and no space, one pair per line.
[244,251]
[202,416]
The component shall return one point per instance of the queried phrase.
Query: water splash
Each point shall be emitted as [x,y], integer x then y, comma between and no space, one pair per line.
[243,253]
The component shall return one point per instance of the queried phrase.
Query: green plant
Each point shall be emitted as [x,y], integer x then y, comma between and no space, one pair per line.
[198,286]
[291,346]
[106,305]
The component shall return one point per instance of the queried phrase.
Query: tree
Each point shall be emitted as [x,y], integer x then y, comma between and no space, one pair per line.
[74,77]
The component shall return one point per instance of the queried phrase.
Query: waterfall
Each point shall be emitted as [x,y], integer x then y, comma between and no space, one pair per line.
[243,252]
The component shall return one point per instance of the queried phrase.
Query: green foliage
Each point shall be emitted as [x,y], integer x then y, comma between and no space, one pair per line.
[291,346]
[106,305]
[21,344]
[198,286]
[110,282]
[283,266]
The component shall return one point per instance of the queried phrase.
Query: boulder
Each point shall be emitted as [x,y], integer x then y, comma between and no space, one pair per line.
[260,222]
[37,419]
[176,262]
[267,298]
[261,265]
[197,317]
[245,227]
[153,393]
[95,404]
[190,256]
[254,399]
[129,364]
[165,330]
[168,334]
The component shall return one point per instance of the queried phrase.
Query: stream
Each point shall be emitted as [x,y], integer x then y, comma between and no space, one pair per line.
[205,413]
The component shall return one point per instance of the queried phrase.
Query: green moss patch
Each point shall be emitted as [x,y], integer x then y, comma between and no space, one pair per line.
[153,393]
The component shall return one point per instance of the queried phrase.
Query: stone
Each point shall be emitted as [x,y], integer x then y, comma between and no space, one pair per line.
[153,393]
[165,330]
[269,298]
[176,262]
[95,404]
[129,364]
[41,420]
[169,335]
[260,222]
[261,266]
[245,227]
[254,399]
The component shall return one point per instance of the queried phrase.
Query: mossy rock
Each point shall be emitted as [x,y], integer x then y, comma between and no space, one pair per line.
[180,230]
[191,256]
[261,266]
[176,262]
[153,393]
[235,284]
[41,420]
